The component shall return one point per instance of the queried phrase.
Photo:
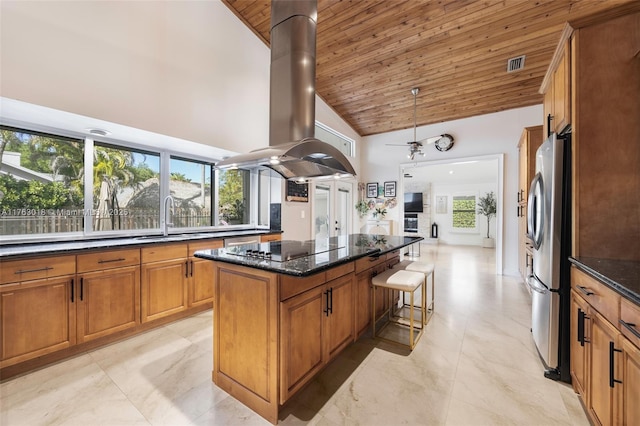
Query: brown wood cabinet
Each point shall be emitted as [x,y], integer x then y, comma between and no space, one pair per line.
[315,326]
[605,107]
[164,282]
[581,339]
[200,281]
[37,318]
[108,293]
[605,364]
[270,237]
[556,88]
[530,141]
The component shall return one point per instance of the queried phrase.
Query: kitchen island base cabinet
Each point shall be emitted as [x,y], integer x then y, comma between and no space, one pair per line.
[315,326]
[265,348]
[245,350]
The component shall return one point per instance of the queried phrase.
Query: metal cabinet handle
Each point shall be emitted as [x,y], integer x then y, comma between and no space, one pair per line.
[24,271]
[326,311]
[120,259]
[612,351]
[631,327]
[186,269]
[191,268]
[81,289]
[72,291]
[581,318]
[586,291]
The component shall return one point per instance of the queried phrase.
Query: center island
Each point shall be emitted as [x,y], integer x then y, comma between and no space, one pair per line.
[284,309]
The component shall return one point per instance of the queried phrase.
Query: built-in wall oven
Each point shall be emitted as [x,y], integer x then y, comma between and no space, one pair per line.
[411,222]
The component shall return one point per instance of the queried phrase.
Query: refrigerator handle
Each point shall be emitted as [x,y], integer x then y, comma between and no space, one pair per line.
[535,224]
[536,285]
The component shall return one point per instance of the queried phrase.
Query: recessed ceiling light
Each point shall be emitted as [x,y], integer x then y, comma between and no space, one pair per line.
[98,132]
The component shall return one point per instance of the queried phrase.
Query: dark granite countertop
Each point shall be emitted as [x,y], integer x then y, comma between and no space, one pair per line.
[330,252]
[65,247]
[623,276]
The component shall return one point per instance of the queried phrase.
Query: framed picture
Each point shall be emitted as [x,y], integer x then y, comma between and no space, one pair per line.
[441,204]
[372,190]
[390,189]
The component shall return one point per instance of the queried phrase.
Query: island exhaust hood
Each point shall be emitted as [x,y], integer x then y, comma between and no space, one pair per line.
[293,150]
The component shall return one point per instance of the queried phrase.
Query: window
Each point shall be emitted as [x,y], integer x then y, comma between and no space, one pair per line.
[464,212]
[190,187]
[41,183]
[74,187]
[126,189]
[233,197]
[330,136]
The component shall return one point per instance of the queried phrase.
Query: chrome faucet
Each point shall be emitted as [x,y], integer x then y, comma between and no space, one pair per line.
[169,205]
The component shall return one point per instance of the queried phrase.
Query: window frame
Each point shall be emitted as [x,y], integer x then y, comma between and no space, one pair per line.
[165,155]
[455,229]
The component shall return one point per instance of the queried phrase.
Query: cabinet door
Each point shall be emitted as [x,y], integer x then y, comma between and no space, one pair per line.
[36,318]
[200,282]
[302,329]
[630,404]
[340,331]
[108,302]
[164,289]
[363,301]
[580,343]
[382,301]
[561,92]
[601,395]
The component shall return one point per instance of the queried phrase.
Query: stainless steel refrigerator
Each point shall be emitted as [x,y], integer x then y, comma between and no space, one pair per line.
[549,227]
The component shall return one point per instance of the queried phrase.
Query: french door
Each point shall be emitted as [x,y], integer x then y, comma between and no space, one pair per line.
[332,209]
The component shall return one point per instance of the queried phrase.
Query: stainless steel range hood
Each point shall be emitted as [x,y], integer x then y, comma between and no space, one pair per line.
[293,150]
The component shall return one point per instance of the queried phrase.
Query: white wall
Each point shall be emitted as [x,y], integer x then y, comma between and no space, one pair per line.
[446,234]
[185,69]
[476,136]
[189,70]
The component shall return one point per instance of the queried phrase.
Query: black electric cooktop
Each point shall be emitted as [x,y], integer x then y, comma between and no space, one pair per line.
[282,251]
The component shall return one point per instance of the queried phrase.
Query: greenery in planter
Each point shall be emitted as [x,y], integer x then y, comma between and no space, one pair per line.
[380,213]
[487,207]
[362,207]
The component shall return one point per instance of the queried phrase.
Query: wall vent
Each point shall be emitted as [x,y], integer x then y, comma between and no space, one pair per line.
[515,64]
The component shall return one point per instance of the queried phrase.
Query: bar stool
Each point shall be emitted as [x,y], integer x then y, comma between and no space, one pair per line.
[428,269]
[406,282]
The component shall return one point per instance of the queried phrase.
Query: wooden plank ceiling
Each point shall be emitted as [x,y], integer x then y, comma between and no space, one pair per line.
[370,53]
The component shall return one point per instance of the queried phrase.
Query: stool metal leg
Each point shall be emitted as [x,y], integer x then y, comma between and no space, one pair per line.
[411,343]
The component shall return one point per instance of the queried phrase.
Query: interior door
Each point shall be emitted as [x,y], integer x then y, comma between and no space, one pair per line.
[332,207]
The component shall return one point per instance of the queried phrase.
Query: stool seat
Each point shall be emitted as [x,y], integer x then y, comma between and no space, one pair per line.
[399,280]
[425,268]
[403,264]
[394,280]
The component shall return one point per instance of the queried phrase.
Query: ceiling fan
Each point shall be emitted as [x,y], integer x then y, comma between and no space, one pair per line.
[443,142]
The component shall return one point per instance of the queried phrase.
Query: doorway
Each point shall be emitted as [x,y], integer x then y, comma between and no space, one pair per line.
[444,182]
[332,209]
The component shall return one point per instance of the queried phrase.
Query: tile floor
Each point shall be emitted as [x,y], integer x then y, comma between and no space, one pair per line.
[475,365]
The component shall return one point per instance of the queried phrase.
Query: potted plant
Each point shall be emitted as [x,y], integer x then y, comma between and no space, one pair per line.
[379,213]
[362,207]
[487,207]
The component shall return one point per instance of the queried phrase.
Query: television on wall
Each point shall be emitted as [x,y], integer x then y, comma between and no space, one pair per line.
[413,202]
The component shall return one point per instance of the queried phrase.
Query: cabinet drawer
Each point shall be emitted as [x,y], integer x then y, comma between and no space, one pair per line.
[33,269]
[163,252]
[367,262]
[270,237]
[204,245]
[290,285]
[108,259]
[598,295]
[630,321]
[339,271]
